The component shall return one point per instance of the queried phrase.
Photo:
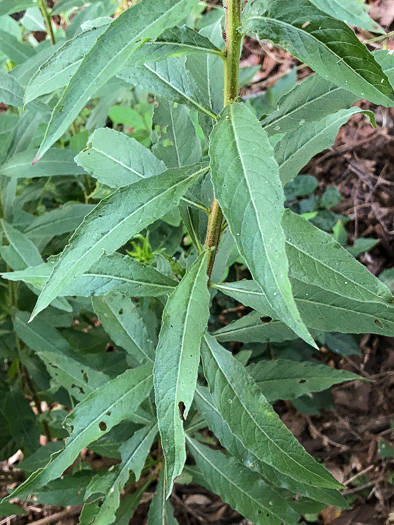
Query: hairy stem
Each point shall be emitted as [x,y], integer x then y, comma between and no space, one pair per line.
[47,18]
[231,67]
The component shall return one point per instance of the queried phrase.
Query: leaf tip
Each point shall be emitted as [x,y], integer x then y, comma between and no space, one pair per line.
[36,159]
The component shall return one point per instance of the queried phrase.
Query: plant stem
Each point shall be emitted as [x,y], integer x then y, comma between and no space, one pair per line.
[231,67]
[47,18]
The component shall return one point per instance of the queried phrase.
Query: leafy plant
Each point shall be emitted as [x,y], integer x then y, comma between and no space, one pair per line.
[189,181]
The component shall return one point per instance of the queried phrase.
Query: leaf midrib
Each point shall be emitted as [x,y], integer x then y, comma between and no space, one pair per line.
[319,42]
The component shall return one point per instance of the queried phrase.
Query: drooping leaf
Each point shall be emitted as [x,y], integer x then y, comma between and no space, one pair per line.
[57,162]
[219,427]
[311,100]
[242,488]
[56,72]
[286,379]
[160,510]
[144,20]
[97,414]
[20,252]
[327,45]
[117,160]
[134,453]
[122,321]
[176,364]
[169,79]
[246,182]
[114,272]
[351,12]
[115,220]
[239,399]
[298,146]
[67,368]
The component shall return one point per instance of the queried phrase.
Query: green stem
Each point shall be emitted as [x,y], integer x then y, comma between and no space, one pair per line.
[231,68]
[47,18]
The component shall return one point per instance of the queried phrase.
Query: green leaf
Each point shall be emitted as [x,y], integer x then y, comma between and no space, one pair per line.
[113,222]
[114,272]
[174,42]
[185,317]
[329,303]
[56,72]
[208,70]
[9,509]
[176,142]
[286,379]
[170,79]
[122,321]
[298,146]
[134,453]
[117,160]
[385,58]
[219,427]
[351,12]
[67,368]
[98,413]
[56,222]
[246,183]
[57,162]
[239,399]
[13,6]
[11,92]
[20,249]
[311,100]
[362,245]
[145,20]
[16,51]
[160,510]
[240,487]
[65,5]
[327,45]
[255,328]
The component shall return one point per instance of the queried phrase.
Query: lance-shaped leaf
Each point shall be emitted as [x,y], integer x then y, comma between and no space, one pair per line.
[56,72]
[114,272]
[57,162]
[246,181]
[320,308]
[240,487]
[327,45]
[255,328]
[169,79]
[311,100]
[160,510]
[67,368]
[385,58]
[11,92]
[117,160]
[299,146]
[286,379]
[122,321]
[98,413]
[253,420]
[185,317]
[174,42]
[351,12]
[113,222]
[219,427]
[145,20]
[133,453]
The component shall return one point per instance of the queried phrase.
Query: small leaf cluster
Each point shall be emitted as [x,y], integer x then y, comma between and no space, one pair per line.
[133,182]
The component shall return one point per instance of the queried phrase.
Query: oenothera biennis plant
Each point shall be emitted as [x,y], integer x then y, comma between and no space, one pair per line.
[198,176]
